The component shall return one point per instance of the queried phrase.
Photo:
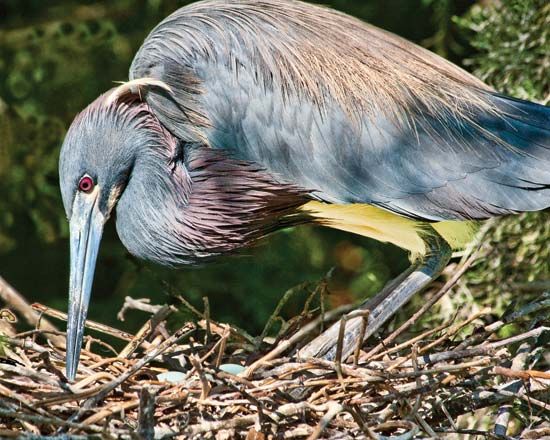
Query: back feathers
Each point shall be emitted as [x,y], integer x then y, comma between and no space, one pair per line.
[346,110]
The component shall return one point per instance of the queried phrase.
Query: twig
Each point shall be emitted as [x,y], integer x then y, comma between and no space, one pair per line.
[521,374]
[207,319]
[221,350]
[16,302]
[109,411]
[339,346]
[38,376]
[531,308]
[206,387]
[451,332]
[477,351]
[190,307]
[410,342]
[141,304]
[48,420]
[284,396]
[361,338]
[428,305]
[286,296]
[411,428]
[333,409]
[146,424]
[146,330]
[26,344]
[155,352]
[294,339]
[504,412]
[483,399]
[237,422]
[89,324]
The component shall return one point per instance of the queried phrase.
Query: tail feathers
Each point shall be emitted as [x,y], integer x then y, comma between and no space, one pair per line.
[521,181]
[526,112]
[522,125]
[501,165]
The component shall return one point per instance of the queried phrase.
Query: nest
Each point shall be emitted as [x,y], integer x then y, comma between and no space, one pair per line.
[211,380]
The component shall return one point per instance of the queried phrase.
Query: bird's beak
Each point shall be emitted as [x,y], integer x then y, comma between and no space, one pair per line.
[86,228]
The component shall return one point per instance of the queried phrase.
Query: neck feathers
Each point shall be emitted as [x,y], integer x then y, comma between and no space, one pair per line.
[203,207]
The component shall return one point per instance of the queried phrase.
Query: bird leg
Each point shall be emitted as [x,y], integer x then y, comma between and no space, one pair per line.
[383,306]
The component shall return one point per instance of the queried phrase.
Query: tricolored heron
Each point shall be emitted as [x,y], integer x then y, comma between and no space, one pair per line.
[243,117]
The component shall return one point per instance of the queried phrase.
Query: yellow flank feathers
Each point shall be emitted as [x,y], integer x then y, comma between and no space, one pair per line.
[457,233]
[385,226]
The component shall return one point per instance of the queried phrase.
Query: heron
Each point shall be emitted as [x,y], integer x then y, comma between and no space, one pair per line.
[242,117]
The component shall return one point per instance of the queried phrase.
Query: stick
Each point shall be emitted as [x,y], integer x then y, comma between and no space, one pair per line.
[204,427]
[482,399]
[145,331]
[414,318]
[339,346]
[504,412]
[477,351]
[452,331]
[285,345]
[205,385]
[141,304]
[102,328]
[521,374]
[146,424]
[531,308]
[16,301]
[361,338]
[333,410]
[286,296]
[48,420]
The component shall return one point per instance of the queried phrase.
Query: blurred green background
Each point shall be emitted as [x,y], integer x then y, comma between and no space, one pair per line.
[57,56]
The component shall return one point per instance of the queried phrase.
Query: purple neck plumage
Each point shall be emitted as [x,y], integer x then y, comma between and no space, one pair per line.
[184,203]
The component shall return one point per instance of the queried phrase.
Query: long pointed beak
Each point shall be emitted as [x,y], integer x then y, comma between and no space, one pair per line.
[86,228]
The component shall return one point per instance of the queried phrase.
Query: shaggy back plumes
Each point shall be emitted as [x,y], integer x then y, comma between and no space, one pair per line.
[367,71]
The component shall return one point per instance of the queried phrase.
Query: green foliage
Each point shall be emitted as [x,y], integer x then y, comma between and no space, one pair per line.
[46,76]
[512,40]
[517,258]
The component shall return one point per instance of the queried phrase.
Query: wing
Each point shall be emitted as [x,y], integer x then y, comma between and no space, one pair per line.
[355,114]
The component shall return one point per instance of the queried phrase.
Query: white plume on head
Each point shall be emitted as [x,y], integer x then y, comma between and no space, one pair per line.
[134,87]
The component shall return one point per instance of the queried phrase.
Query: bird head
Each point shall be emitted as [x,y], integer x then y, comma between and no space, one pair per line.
[95,166]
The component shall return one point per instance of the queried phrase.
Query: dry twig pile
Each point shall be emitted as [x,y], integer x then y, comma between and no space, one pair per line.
[230,385]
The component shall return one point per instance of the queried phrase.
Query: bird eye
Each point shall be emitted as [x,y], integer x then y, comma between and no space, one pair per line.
[86,184]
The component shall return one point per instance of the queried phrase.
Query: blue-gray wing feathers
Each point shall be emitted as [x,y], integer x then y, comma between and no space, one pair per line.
[435,145]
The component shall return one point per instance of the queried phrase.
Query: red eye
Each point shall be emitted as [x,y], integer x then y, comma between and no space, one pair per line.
[86,184]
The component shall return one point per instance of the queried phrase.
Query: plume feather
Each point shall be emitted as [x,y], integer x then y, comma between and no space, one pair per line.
[134,87]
